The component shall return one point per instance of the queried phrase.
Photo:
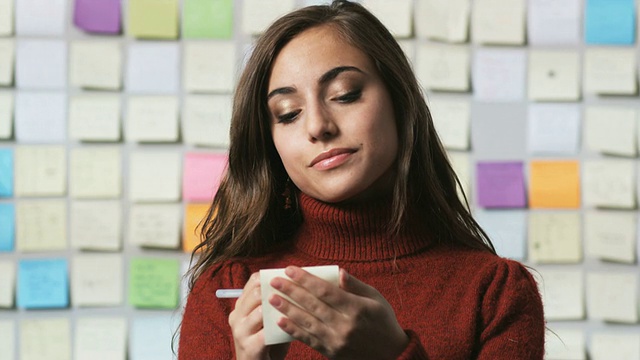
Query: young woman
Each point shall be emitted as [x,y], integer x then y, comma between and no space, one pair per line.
[334,160]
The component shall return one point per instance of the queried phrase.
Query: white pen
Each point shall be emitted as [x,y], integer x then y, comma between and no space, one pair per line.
[228,293]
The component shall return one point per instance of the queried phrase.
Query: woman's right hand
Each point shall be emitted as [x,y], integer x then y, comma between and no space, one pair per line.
[246,326]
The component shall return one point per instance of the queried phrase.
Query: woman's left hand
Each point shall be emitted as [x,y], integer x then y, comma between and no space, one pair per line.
[352,321]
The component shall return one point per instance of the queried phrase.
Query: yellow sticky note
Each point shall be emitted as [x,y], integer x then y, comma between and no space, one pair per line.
[554,184]
[194,214]
[155,19]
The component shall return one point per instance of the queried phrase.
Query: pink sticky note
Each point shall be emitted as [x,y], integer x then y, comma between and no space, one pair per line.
[202,175]
[501,185]
[101,16]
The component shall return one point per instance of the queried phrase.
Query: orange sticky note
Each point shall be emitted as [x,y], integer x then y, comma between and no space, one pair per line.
[554,184]
[194,214]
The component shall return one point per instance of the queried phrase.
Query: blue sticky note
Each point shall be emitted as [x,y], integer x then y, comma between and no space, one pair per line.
[43,284]
[610,22]
[6,172]
[7,226]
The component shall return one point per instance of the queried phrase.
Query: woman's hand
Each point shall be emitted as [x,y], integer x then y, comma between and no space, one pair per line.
[352,321]
[246,325]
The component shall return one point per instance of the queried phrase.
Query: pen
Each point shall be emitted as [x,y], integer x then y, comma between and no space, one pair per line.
[228,293]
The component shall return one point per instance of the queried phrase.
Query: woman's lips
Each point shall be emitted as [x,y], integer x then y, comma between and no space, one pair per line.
[331,158]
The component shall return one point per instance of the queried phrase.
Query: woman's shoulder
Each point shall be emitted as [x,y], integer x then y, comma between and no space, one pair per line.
[481,263]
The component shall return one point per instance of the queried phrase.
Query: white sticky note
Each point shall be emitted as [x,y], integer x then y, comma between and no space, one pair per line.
[408,46]
[40,117]
[499,74]
[554,75]
[452,119]
[209,67]
[605,345]
[97,280]
[45,338]
[612,296]
[562,293]
[206,120]
[552,22]
[6,115]
[155,176]
[41,225]
[462,167]
[257,15]
[609,184]
[41,64]
[443,67]
[36,17]
[153,68]
[96,65]
[152,119]
[95,117]
[40,170]
[7,283]
[507,231]
[565,344]
[498,22]
[611,130]
[443,20]
[555,237]
[272,332]
[96,225]
[611,235]
[151,337]
[155,225]
[7,60]
[396,15]
[610,71]
[96,172]
[8,339]
[6,17]
[553,129]
[100,339]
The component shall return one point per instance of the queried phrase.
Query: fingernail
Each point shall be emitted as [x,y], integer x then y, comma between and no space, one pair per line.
[290,272]
[276,302]
[276,284]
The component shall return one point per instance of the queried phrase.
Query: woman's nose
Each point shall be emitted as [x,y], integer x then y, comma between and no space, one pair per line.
[321,125]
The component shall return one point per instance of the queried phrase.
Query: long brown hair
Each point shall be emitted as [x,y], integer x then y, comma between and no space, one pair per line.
[248,215]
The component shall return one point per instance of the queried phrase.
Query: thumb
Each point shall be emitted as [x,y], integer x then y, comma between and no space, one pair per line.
[352,285]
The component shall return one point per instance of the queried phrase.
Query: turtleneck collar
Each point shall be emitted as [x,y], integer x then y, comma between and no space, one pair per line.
[356,232]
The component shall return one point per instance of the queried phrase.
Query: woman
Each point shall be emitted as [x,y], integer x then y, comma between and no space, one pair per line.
[334,160]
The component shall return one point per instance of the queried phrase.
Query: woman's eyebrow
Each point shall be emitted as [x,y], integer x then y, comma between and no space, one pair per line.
[333,73]
[325,78]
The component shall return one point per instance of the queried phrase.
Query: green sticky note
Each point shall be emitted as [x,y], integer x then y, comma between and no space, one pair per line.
[154,283]
[153,19]
[207,19]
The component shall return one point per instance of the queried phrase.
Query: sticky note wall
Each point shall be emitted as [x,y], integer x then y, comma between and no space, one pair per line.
[114,123]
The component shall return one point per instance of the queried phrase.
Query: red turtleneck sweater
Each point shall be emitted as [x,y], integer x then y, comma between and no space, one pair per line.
[453,302]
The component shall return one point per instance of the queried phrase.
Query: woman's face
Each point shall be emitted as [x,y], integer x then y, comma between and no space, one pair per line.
[332,118]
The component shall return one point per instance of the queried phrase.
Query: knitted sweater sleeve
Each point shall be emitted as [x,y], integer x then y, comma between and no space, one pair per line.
[512,318]
[205,332]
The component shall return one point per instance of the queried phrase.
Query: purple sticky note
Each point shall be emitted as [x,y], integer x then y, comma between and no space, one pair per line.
[500,185]
[99,16]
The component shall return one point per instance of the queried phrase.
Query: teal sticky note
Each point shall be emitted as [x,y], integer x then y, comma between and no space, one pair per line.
[6,172]
[610,22]
[43,284]
[7,227]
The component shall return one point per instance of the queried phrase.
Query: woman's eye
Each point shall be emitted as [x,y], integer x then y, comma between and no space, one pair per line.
[350,96]
[288,117]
